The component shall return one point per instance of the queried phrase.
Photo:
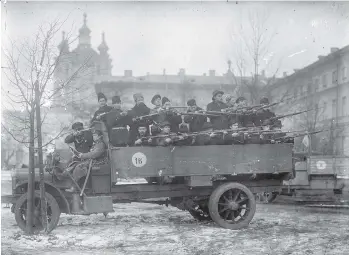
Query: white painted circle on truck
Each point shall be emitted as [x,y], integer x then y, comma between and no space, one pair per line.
[139,159]
[321,165]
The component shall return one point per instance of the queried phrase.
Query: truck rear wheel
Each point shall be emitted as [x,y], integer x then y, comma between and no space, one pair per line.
[53,212]
[232,206]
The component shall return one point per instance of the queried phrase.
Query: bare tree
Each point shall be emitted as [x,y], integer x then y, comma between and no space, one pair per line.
[251,48]
[32,88]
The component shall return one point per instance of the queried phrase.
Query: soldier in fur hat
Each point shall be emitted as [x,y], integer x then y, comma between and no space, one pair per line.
[117,121]
[103,107]
[264,116]
[217,105]
[156,100]
[140,109]
[82,139]
[195,122]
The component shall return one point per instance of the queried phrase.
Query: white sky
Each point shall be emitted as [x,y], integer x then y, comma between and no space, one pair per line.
[148,37]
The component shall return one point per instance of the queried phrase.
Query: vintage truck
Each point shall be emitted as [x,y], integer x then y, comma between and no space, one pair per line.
[215,182]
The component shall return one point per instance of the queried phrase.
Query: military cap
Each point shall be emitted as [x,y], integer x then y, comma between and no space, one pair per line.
[216,92]
[154,98]
[100,95]
[98,132]
[191,102]
[165,100]
[164,124]
[137,96]
[239,99]
[116,100]
[77,126]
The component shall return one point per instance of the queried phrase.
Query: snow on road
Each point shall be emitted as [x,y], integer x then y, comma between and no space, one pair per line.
[153,229]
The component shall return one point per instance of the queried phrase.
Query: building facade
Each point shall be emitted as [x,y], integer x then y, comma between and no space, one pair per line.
[323,88]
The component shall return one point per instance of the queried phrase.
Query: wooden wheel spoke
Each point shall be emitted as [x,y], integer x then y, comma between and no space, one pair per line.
[226,199]
[241,201]
[226,215]
[230,192]
[223,210]
[237,194]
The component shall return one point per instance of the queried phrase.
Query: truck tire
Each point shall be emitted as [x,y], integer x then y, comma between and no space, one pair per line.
[232,206]
[53,212]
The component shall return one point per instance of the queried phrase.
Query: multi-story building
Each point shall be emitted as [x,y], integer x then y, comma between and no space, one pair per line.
[96,76]
[323,88]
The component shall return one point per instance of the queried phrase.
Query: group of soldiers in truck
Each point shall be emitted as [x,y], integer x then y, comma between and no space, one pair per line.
[164,125]
[130,128]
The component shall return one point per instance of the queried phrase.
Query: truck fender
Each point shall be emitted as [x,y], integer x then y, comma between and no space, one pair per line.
[49,188]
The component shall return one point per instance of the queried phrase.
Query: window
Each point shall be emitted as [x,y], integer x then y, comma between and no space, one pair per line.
[334,77]
[309,88]
[344,106]
[316,86]
[324,81]
[301,90]
[334,108]
[344,73]
[295,93]
[324,110]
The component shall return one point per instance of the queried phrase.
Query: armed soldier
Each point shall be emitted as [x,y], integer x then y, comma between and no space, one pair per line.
[195,122]
[98,155]
[82,139]
[169,115]
[245,117]
[141,138]
[217,105]
[140,109]
[264,116]
[117,121]
[103,107]
[156,100]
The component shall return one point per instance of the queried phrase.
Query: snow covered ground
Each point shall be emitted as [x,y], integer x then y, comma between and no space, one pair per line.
[153,229]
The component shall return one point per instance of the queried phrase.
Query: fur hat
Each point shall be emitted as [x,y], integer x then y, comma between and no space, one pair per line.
[116,100]
[239,99]
[137,96]
[264,100]
[216,92]
[191,102]
[165,100]
[154,98]
[98,132]
[164,124]
[100,95]
[77,126]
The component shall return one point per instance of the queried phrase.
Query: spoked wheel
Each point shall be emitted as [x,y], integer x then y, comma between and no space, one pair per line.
[201,213]
[232,205]
[53,212]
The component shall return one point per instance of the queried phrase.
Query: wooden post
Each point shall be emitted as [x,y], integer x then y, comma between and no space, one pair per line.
[41,160]
[31,175]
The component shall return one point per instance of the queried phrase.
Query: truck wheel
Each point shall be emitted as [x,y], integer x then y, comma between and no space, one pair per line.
[232,206]
[53,212]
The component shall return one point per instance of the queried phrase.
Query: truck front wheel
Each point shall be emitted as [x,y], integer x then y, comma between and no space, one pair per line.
[53,212]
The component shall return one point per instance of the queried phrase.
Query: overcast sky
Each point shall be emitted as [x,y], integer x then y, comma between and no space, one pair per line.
[198,36]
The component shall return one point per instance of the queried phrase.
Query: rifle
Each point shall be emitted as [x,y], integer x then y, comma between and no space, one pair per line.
[288,115]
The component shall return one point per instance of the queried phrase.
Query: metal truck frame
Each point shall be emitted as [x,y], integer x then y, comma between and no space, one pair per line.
[212,182]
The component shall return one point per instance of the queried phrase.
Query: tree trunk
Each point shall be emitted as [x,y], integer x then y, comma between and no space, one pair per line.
[41,160]
[31,175]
